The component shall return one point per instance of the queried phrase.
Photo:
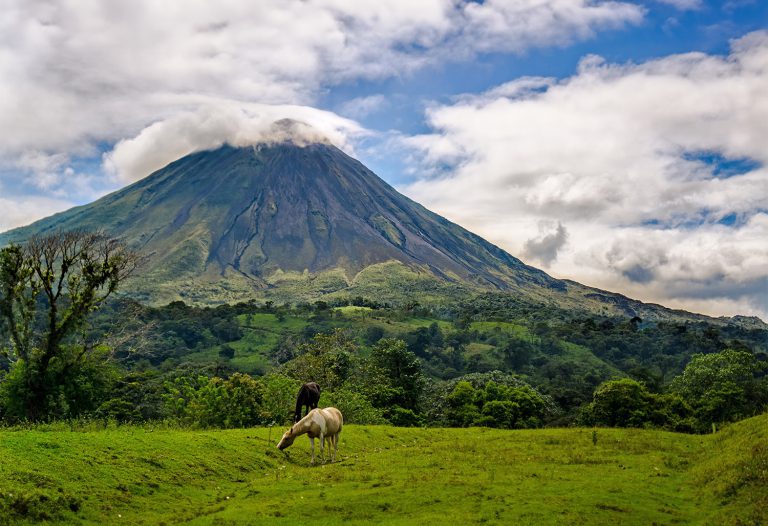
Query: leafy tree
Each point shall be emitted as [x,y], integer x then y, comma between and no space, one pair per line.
[496,405]
[326,359]
[629,403]
[401,372]
[48,287]
[279,398]
[723,387]
[462,410]
[620,403]
[226,352]
[373,334]
[216,402]
[136,397]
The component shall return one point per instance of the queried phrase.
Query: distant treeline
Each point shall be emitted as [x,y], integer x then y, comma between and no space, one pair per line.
[489,361]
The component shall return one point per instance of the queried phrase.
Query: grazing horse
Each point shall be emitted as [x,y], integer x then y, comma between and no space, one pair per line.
[308,396]
[324,424]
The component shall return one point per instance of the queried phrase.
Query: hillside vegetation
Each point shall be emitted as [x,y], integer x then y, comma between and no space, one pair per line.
[145,475]
[394,356]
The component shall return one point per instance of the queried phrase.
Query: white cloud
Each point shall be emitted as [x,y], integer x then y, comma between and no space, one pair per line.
[360,107]
[78,74]
[219,122]
[621,155]
[683,5]
[22,211]
[85,70]
[46,170]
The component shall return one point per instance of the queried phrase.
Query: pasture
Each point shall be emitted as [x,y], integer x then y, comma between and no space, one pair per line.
[388,475]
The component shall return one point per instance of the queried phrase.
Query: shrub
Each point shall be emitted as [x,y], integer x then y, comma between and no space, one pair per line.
[215,402]
[354,406]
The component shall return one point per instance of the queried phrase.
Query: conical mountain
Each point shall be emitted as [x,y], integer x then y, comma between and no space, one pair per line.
[248,214]
[294,220]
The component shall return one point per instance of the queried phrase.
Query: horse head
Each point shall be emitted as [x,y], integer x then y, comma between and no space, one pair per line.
[288,438]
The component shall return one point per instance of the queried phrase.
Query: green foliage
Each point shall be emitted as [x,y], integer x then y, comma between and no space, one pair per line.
[279,399]
[73,384]
[398,375]
[495,405]
[325,360]
[628,403]
[216,402]
[619,403]
[357,349]
[66,276]
[723,387]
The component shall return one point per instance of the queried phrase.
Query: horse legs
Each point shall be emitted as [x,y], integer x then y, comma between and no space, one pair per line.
[335,445]
[322,447]
[312,446]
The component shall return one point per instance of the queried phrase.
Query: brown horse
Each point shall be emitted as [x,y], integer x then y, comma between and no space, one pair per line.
[309,396]
[324,424]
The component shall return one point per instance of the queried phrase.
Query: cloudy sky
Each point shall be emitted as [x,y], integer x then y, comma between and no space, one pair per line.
[621,144]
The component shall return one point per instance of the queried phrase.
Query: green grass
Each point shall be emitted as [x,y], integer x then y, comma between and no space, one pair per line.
[513,329]
[386,475]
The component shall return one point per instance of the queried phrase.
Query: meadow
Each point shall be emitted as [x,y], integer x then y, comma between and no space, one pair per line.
[157,475]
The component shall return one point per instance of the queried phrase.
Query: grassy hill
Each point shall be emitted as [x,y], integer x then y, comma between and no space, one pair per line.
[145,475]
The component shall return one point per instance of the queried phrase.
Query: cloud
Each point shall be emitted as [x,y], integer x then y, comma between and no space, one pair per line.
[22,211]
[683,5]
[552,236]
[82,75]
[86,71]
[360,107]
[219,122]
[46,169]
[657,171]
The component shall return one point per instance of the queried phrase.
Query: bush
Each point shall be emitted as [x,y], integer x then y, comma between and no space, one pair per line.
[628,403]
[496,405]
[215,402]
[73,385]
[354,406]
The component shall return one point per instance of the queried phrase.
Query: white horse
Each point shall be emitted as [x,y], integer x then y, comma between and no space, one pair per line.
[324,424]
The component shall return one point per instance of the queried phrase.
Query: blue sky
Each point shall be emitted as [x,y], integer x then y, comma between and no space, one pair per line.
[620,144]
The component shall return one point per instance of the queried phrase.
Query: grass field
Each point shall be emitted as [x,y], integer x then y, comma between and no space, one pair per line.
[145,475]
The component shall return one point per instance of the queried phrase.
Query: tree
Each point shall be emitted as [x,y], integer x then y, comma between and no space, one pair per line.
[723,387]
[326,359]
[495,404]
[48,286]
[628,403]
[401,371]
[619,403]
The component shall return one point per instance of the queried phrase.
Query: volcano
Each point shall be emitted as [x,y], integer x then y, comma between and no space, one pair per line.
[249,214]
[296,220]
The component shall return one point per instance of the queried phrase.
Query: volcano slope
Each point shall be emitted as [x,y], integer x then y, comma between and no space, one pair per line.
[291,222]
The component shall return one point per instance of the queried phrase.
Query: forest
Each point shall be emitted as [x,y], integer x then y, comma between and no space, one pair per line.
[74,348]
[490,361]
